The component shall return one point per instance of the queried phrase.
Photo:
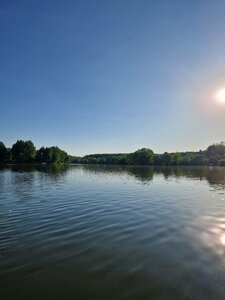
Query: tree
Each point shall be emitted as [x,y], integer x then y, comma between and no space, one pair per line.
[199,160]
[143,156]
[41,155]
[176,158]
[167,158]
[158,160]
[122,160]
[216,149]
[3,153]
[23,151]
[213,160]
[51,155]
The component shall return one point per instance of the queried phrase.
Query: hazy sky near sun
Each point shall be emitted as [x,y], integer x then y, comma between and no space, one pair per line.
[112,76]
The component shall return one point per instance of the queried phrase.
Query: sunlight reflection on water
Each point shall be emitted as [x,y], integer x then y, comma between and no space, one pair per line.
[113,232]
[223,239]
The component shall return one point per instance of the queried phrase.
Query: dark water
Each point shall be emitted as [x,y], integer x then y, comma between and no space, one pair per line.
[101,232]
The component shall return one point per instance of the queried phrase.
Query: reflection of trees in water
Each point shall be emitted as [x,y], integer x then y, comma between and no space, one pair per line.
[55,171]
[24,177]
[28,171]
[142,173]
[214,175]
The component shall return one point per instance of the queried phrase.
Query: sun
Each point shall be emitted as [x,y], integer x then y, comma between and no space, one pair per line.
[220,95]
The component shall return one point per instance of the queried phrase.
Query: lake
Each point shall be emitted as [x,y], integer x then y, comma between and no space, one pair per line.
[112,232]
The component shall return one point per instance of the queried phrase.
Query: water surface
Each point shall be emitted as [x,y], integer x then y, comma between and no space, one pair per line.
[108,232]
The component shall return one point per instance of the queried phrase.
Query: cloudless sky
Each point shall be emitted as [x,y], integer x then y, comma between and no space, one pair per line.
[112,75]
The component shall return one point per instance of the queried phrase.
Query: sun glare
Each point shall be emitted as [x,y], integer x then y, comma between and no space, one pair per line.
[220,95]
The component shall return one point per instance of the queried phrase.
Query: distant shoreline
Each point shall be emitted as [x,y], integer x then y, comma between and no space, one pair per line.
[24,152]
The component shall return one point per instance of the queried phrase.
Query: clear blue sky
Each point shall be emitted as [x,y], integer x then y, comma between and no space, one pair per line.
[112,76]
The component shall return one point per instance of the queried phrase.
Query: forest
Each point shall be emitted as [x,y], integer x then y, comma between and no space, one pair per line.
[25,152]
[213,155]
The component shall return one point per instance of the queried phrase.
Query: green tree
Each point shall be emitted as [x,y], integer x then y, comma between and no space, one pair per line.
[167,158]
[143,156]
[3,153]
[56,155]
[122,160]
[214,160]
[176,158]
[199,160]
[23,151]
[157,159]
[216,150]
[41,155]
[51,155]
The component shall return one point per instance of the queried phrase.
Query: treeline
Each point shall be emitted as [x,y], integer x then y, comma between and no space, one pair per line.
[213,155]
[25,152]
